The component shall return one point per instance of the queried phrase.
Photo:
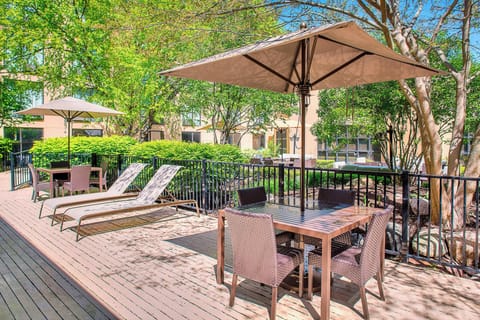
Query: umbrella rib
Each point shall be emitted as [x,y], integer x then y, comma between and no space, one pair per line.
[269,69]
[346,64]
[310,57]
[294,67]
[419,65]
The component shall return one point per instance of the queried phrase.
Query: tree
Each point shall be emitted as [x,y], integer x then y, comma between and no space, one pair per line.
[375,110]
[229,108]
[232,109]
[115,49]
[418,30]
[14,96]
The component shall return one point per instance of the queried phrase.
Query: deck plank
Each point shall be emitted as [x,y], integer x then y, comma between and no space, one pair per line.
[37,290]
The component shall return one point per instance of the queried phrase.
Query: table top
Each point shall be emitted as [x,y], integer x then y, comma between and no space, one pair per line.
[63,170]
[326,221]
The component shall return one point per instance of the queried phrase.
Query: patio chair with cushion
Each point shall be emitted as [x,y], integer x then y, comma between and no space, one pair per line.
[333,196]
[256,255]
[146,199]
[115,192]
[37,185]
[359,264]
[79,180]
[253,195]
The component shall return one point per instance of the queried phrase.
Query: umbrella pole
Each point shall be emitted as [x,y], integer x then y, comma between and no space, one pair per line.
[304,93]
[303,106]
[68,141]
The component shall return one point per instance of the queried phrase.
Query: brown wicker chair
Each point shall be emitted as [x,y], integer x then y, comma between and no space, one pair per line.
[336,196]
[358,264]
[257,194]
[60,178]
[37,185]
[79,180]
[256,255]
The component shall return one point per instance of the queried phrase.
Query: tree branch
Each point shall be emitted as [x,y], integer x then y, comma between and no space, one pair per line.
[440,22]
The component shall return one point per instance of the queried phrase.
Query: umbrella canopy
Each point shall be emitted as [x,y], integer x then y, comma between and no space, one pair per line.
[70,108]
[332,56]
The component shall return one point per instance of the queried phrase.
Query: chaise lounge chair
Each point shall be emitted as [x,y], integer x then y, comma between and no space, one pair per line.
[115,192]
[146,199]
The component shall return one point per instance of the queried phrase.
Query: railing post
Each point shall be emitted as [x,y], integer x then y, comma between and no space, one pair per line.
[94,160]
[405,196]
[155,163]
[119,165]
[204,191]
[12,172]
[281,183]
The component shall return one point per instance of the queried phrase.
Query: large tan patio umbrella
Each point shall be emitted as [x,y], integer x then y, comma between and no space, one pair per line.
[332,56]
[70,108]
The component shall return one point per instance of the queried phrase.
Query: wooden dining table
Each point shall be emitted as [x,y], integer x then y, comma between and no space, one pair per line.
[324,222]
[52,171]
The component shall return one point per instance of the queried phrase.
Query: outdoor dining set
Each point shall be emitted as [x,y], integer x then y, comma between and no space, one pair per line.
[262,235]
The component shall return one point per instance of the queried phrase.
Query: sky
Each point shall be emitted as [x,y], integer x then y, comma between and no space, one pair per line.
[430,12]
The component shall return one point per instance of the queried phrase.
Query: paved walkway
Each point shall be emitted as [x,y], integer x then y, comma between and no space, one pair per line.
[161,265]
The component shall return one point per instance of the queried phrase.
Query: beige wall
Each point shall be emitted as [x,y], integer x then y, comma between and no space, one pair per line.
[55,126]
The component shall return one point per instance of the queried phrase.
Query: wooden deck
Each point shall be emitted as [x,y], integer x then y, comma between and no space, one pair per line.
[161,265]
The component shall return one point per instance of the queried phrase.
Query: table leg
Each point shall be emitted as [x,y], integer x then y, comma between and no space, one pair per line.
[100,180]
[220,248]
[52,188]
[326,277]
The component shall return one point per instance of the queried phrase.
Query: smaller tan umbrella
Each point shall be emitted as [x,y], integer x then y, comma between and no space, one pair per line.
[70,108]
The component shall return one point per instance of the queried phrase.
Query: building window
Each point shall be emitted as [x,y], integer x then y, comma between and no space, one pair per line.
[23,137]
[234,139]
[191,119]
[281,140]
[24,94]
[467,144]
[87,132]
[156,135]
[258,141]
[191,136]
[341,150]
[23,59]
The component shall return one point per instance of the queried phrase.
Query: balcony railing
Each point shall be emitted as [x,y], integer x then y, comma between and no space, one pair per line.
[410,235]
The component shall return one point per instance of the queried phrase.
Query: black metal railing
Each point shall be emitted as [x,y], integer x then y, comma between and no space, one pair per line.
[410,234]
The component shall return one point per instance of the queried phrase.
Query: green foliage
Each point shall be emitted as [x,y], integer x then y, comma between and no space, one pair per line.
[15,96]
[99,145]
[326,164]
[272,150]
[178,150]
[114,50]
[235,109]
[5,146]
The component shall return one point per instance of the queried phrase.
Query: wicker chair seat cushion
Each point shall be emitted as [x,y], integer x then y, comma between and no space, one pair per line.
[287,259]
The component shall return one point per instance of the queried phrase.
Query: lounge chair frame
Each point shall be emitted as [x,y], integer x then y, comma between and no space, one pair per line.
[165,170]
[116,191]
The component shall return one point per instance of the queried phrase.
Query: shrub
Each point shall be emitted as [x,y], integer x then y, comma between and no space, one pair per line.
[327,164]
[99,145]
[178,150]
